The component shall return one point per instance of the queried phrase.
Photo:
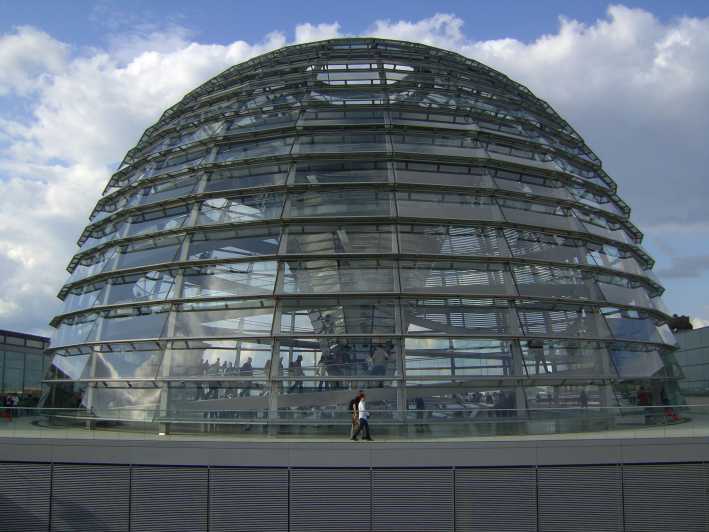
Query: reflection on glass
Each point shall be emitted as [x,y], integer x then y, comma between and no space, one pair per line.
[636,361]
[447,205]
[337,142]
[630,324]
[261,122]
[150,251]
[451,357]
[544,246]
[442,174]
[597,224]
[240,209]
[224,318]
[345,202]
[624,291]
[544,215]
[333,276]
[139,404]
[438,144]
[549,319]
[146,286]
[126,364]
[238,178]
[339,118]
[84,297]
[328,359]
[164,190]
[337,239]
[543,397]
[333,172]
[228,280]
[166,219]
[525,183]
[459,316]
[180,161]
[67,367]
[482,278]
[337,317]
[234,243]
[133,322]
[257,148]
[535,280]
[562,358]
[227,359]
[75,330]
[476,241]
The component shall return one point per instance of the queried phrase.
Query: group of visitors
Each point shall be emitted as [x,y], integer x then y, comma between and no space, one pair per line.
[360,417]
[219,367]
[340,361]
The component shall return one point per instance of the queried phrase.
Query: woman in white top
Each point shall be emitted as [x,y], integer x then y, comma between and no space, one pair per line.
[363,415]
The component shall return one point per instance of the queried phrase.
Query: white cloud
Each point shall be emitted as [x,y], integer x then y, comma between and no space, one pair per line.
[308,32]
[636,88]
[87,112]
[26,57]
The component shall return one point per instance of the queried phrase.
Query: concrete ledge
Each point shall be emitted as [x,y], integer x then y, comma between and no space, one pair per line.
[356,454]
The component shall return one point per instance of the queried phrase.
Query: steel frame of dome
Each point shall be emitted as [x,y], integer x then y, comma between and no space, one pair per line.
[405,219]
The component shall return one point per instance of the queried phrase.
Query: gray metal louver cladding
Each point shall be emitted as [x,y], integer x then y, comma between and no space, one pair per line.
[168,499]
[24,497]
[412,499]
[90,497]
[330,499]
[580,498]
[485,498]
[248,500]
[664,498]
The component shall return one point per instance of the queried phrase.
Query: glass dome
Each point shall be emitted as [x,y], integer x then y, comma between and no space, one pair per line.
[359,214]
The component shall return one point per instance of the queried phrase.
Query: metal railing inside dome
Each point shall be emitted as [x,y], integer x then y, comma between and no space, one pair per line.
[411,424]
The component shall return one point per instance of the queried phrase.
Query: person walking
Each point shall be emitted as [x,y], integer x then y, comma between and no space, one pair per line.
[355,416]
[363,416]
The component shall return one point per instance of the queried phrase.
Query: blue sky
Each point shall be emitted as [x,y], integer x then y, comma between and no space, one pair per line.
[85,23]
[80,81]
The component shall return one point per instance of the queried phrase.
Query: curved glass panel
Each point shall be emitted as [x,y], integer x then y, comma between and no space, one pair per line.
[447,205]
[337,317]
[439,277]
[239,178]
[455,316]
[338,239]
[158,250]
[547,319]
[437,358]
[240,209]
[477,241]
[258,148]
[336,276]
[421,173]
[353,202]
[209,319]
[567,359]
[233,243]
[335,172]
[237,359]
[145,286]
[230,280]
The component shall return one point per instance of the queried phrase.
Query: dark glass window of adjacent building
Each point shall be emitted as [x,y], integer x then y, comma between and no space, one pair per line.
[23,363]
